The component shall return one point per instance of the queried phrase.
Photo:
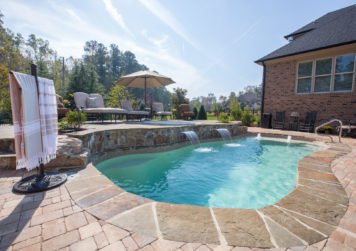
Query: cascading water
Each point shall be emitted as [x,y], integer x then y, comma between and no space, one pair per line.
[192,136]
[289,139]
[259,136]
[225,134]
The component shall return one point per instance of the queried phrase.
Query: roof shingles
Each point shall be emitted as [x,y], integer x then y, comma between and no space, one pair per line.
[333,29]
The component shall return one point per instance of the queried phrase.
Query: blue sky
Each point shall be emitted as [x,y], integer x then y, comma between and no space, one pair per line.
[204,45]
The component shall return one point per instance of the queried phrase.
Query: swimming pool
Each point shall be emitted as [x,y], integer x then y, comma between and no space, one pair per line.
[245,173]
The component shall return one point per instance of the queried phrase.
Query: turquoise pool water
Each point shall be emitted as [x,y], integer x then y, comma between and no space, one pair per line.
[247,173]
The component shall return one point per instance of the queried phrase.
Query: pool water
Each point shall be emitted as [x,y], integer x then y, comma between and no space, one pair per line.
[244,173]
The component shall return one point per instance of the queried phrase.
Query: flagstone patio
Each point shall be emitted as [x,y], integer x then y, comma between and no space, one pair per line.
[90,213]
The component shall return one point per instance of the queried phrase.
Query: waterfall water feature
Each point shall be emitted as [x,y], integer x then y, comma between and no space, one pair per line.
[258,136]
[225,134]
[192,136]
[289,139]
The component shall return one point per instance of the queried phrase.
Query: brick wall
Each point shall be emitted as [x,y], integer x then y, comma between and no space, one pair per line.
[280,96]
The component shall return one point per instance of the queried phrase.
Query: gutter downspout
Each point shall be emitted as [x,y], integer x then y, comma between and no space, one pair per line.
[263,90]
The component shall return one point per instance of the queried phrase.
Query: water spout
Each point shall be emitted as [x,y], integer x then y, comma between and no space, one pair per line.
[224,133]
[259,136]
[192,136]
[289,139]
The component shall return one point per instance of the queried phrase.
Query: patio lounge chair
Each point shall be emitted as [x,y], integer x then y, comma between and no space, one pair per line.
[157,109]
[278,123]
[93,104]
[184,112]
[131,113]
[309,122]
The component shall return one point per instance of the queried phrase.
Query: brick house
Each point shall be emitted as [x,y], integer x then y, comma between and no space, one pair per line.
[315,71]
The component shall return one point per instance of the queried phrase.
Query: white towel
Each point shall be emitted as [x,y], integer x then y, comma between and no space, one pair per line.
[35,128]
[49,118]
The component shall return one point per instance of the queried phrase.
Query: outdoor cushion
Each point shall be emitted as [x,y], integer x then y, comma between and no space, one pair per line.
[126,104]
[138,113]
[105,110]
[80,99]
[99,99]
[164,113]
[92,102]
[157,107]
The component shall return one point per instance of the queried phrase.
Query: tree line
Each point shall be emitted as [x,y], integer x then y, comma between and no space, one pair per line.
[96,71]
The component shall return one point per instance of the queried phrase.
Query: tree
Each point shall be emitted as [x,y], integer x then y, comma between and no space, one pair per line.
[247,117]
[117,94]
[224,103]
[251,96]
[96,72]
[5,105]
[179,97]
[84,79]
[202,113]
[195,110]
[39,52]
[116,62]
[216,108]
[235,109]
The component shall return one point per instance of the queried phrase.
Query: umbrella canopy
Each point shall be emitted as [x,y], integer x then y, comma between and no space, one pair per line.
[145,79]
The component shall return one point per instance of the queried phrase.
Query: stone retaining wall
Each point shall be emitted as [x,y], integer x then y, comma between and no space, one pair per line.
[105,144]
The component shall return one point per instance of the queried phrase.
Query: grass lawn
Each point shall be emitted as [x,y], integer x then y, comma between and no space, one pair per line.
[212,117]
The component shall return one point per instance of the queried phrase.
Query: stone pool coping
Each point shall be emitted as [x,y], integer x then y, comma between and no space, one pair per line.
[309,214]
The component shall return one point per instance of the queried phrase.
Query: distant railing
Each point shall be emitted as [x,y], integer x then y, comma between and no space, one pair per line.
[329,122]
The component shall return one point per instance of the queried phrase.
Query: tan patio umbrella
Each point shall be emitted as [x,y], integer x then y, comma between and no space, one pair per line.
[145,79]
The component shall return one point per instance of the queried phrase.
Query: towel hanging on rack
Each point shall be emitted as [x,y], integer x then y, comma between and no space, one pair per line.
[35,120]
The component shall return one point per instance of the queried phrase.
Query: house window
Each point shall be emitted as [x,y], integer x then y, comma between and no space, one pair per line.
[344,72]
[323,75]
[304,77]
[326,75]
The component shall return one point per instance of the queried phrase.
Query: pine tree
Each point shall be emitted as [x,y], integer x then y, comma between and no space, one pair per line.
[202,113]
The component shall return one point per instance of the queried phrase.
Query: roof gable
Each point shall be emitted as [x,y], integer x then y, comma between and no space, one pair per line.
[333,29]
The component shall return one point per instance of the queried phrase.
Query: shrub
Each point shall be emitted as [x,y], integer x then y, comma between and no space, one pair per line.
[195,110]
[75,119]
[63,124]
[202,113]
[235,109]
[117,94]
[327,129]
[247,117]
[224,117]
[257,119]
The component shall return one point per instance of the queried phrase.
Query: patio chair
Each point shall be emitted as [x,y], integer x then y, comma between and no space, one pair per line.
[93,104]
[184,112]
[158,110]
[309,122]
[131,113]
[278,123]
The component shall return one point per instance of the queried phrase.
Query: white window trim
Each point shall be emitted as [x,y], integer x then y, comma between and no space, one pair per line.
[333,74]
[297,77]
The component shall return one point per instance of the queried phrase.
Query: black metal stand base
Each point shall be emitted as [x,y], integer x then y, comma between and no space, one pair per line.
[37,183]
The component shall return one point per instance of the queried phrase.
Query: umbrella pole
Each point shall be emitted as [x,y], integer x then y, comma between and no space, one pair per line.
[145,91]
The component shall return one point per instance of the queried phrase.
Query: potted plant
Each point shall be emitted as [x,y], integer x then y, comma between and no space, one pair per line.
[327,129]
[72,121]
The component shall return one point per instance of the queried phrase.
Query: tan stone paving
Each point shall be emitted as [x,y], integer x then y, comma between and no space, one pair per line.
[53,220]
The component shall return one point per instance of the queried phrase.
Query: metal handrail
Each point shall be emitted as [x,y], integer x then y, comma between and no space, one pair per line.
[329,122]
